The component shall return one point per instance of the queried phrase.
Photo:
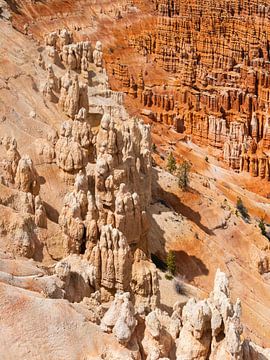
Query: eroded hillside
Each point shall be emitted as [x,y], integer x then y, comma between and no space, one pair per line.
[79,194]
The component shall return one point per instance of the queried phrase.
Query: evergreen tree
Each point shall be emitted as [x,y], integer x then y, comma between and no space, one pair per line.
[170,262]
[183,175]
[241,208]
[171,163]
[262,227]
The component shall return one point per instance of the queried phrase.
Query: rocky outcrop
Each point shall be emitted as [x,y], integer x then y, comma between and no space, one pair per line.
[104,217]
[98,55]
[10,163]
[66,90]
[160,334]
[211,326]
[195,337]
[26,178]
[40,213]
[4,10]
[78,278]
[120,319]
[17,170]
[107,211]
[253,352]
[73,148]
[59,38]
[51,87]
[77,56]
[46,147]
[204,329]
[73,96]
[144,281]
[20,192]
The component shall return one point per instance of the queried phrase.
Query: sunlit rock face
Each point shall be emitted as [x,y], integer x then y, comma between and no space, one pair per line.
[218,69]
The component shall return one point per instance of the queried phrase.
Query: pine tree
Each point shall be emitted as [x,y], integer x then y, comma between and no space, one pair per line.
[183,175]
[241,208]
[262,227]
[171,163]
[170,262]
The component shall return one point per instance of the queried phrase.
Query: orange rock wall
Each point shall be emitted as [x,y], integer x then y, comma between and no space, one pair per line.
[216,84]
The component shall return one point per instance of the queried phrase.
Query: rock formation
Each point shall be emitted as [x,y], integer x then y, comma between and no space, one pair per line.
[22,207]
[10,163]
[120,319]
[219,96]
[105,217]
[73,148]
[107,211]
[90,273]
[97,55]
[78,278]
[204,329]
[160,334]
[40,213]
[206,322]
[26,178]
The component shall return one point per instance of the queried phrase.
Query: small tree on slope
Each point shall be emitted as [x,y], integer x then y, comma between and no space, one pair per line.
[171,163]
[170,262]
[183,175]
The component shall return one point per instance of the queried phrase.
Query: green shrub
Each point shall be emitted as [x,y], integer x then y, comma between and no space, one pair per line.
[206,159]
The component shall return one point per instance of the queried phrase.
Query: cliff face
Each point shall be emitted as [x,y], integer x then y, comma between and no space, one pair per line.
[215,87]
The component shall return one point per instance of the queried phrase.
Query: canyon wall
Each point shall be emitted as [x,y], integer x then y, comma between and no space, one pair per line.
[215,87]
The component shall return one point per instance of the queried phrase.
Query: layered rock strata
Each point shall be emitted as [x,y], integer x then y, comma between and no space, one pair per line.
[218,92]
